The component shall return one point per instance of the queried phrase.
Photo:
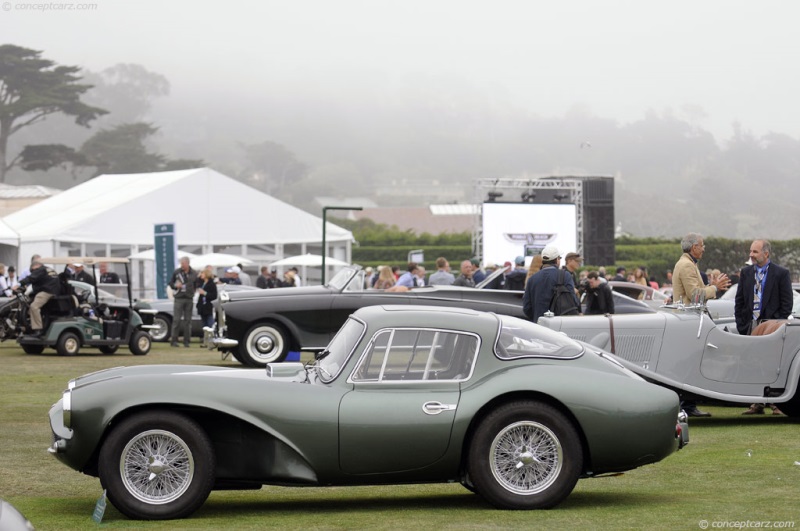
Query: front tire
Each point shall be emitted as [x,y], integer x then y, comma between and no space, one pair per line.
[164,330]
[263,343]
[68,344]
[157,465]
[140,343]
[525,455]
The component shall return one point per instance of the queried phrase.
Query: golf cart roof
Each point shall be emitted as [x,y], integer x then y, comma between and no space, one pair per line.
[85,260]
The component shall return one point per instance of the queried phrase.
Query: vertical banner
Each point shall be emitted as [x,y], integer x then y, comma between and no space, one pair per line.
[166,251]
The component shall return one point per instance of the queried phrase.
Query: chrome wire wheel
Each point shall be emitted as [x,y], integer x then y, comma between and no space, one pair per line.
[156,467]
[526,457]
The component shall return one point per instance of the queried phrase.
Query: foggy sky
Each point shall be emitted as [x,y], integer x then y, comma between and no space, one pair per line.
[709,62]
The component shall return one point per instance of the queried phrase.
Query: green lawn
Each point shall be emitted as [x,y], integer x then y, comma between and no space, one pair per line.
[735,469]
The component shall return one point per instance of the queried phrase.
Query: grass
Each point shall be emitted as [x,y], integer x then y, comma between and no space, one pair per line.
[735,469]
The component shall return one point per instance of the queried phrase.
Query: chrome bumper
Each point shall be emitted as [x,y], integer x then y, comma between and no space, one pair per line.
[682,429]
[212,341]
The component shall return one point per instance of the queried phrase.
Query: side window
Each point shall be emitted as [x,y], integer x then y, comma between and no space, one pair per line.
[417,355]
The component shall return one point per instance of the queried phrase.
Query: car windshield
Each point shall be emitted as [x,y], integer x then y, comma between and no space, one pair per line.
[522,339]
[341,346]
[342,279]
[82,287]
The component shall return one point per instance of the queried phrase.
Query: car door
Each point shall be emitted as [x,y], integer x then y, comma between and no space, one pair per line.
[400,413]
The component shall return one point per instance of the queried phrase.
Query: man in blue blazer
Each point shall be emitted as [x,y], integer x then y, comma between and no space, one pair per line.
[764,292]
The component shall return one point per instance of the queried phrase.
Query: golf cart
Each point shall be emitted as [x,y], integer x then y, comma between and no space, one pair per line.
[78,318]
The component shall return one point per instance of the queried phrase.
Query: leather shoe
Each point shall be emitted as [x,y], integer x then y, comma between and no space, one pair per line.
[173,345]
[35,334]
[755,409]
[775,410]
[694,412]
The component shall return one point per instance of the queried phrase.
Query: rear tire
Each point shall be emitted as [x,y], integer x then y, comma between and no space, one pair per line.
[68,344]
[157,465]
[140,343]
[525,455]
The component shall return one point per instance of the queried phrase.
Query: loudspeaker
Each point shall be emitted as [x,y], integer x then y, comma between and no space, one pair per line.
[598,221]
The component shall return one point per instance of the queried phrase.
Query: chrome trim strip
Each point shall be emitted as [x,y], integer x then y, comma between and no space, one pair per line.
[66,405]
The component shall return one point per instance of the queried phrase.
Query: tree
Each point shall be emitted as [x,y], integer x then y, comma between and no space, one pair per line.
[32,88]
[127,90]
[271,167]
[122,150]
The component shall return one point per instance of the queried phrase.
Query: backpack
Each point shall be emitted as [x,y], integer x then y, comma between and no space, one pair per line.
[563,301]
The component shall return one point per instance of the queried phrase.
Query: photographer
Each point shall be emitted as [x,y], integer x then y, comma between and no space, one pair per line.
[599,300]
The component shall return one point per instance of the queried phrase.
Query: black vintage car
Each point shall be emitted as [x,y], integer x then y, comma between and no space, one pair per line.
[262,326]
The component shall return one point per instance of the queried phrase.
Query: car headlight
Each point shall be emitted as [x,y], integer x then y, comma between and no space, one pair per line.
[66,406]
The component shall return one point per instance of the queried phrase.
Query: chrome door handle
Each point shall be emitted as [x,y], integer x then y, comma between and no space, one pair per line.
[434,408]
[711,345]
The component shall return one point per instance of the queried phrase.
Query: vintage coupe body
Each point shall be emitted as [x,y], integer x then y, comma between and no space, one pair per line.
[681,348]
[402,394]
[263,326]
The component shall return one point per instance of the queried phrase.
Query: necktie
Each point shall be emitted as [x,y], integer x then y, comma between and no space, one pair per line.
[757,294]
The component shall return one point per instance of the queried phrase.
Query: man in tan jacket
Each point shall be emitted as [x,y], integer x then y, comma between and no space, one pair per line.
[687,284]
[686,276]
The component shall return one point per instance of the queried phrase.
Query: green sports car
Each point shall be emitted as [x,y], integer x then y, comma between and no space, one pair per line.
[402,394]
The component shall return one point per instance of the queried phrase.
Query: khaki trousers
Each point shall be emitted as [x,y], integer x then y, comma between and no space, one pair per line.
[36,309]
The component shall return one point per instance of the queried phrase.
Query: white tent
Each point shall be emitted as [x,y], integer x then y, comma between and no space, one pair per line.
[218,260]
[7,235]
[207,208]
[116,214]
[150,255]
[309,260]
[9,241]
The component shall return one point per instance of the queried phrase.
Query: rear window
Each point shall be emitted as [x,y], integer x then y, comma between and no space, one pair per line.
[523,339]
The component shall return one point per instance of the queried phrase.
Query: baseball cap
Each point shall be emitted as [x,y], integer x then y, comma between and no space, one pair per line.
[475,261]
[550,253]
[520,260]
[236,269]
[572,256]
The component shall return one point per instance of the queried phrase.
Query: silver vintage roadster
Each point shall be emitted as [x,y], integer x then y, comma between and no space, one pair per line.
[681,348]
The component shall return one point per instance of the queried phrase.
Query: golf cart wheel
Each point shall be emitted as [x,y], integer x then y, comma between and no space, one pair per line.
[68,344]
[109,349]
[33,349]
[140,343]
